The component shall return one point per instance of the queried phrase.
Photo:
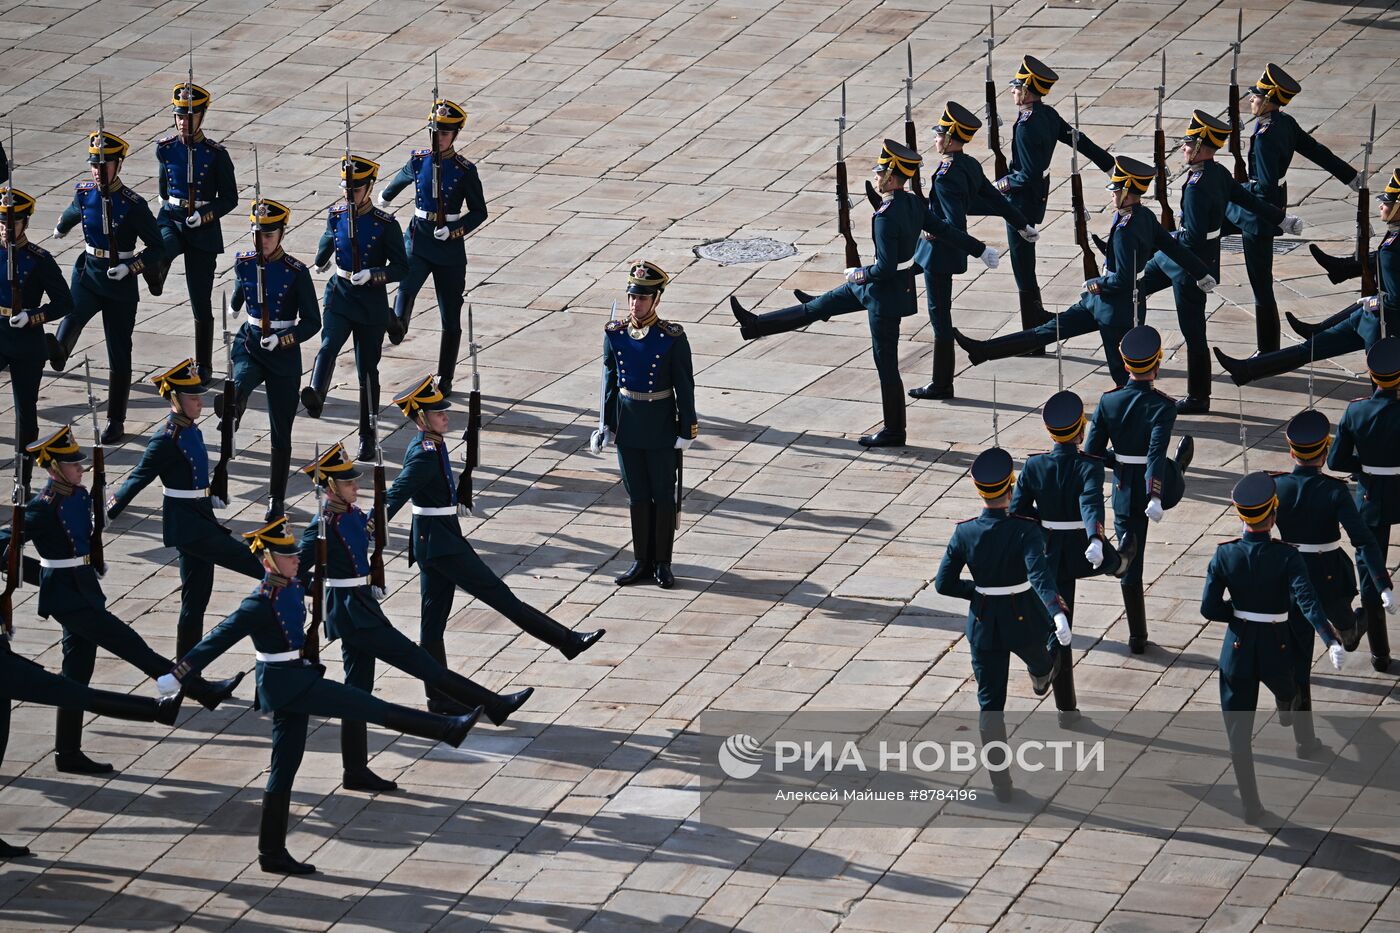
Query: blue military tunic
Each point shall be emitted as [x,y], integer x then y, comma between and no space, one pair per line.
[130,220]
[1276,137]
[958,189]
[657,361]
[1038,128]
[177,456]
[888,288]
[1313,510]
[1360,328]
[427,481]
[1367,437]
[461,188]
[1207,193]
[1061,486]
[58,520]
[215,188]
[1135,236]
[291,307]
[379,247]
[349,533]
[1138,420]
[39,277]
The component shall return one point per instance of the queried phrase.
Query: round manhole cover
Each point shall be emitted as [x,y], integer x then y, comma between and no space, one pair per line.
[726,252]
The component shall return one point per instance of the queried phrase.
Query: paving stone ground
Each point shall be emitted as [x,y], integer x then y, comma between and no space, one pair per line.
[606,131]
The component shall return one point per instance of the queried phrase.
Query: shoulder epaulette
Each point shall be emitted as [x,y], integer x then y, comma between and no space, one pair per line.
[419,153]
[1164,395]
[613,327]
[1024,518]
[85,185]
[36,249]
[132,195]
[966,520]
[214,144]
[337,208]
[171,427]
[1231,541]
[463,160]
[671,328]
[1088,456]
[382,214]
[167,140]
[1280,472]
[293,262]
[883,206]
[249,254]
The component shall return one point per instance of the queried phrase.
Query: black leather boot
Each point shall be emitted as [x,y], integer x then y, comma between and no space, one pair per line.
[1135,609]
[204,347]
[1266,327]
[210,695]
[68,739]
[892,434]
[1243,761]
[273,856]
[1377,637]
[9,851]
[59,351]
[439,702]
[802,296]
[1338,268]
[368,397]
[354,761]
[665,537]
[1243,372]
[402,314]
[163,710]
[1197,400]
[451,730]
[1304,329]
[1185,453]
[1033,314]
[155,273]
[752,326]
[998,348]
[643,564]
[942,385]
[277,482]
[447,359]
[312,401]
[563,639]
[118,393]
[1126,553]
[1066,700]
[1305,740]
[1041,685]
[470,694]
[991,727]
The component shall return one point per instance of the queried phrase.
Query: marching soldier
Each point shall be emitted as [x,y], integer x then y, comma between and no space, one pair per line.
[1013,604]
[1357,326]
[22,346]
[1366,448]
[444,184]
[1277,136]
[293,687]
[367,248]
[445,558]
[59,523]
[1137,420]
[649,413]
[176,455]
[1037,129]
[1207,191]
[191,209]
[113,218]
[1267,581]
[268,278]
[885,288]
[353,615]
[1107,304]
[958,188]
[1063,490]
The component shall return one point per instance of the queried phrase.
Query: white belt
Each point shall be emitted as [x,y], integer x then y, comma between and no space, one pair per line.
[10,312]
[272,325]
[434,510]
[182,203]
[108,254]
[906,264]
[432,215]
[1139,459]
[1318,548]
[345,582]
[1261,616]
[64,562]
[1004,590]
[645,396]
[279,656]
[1062,526]
[1380,470]
[343,273]
[186,493]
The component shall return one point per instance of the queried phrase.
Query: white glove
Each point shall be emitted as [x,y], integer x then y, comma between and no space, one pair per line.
[194,220]
[1207,284]
[168,685]
[217,502]
[856,276]
[1293,224]
[1336,653]
[19,319]
[463,510]
[600,438]
[324,266]
[380,201]
[1154,509]
[361,277]
[1062,632]
[927,237]
[1388,601]
[683,443]
[118,272]
[58,234]
[990,257]
[1094,553]
[1029,233]
[1356,183]
[378,593]
[441,233]
[1371,303]
[269,343]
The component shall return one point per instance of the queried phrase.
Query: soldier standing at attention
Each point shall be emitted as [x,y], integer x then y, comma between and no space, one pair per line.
[649,413]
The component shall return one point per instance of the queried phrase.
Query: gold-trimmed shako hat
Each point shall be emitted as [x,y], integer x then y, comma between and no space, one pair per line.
[275,537]
[1130,173]
[646,278]
[334,464]
[1141,349]
[1255,497]
[59,447]
[1383,360]
[1277,84]
[357,171]
[446,115]
[959,121]
[183,378]
[1391,191]
[111,148]
[897,157]
[268,216]
[992,473]
[1309,434]
[1064,416]
[422,395]
[15,202]
[1036,75]
[1207,129]
[189,98]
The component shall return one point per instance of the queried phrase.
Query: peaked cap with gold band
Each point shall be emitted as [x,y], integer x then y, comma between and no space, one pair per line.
[1141,349]
[16,202]
[1277,84]
[1207,129]
[959,121]
[275,537]
[423,395]
[189,98]
[334,464]
[992,473]
[446,115]
[1064,416]
[895,156]
[1383,360]
[1392,188]
[1036,75]
[1255,498]
[183,378]
[1131,174]
[359,170]
[60,447]
[1309,434]
[646,278]
[268,215]
[113,147]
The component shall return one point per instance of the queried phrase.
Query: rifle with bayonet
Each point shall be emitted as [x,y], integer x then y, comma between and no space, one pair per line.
[190,182]
[1159,146]
[99,479]
[472,457]
[911,133]
[259,262]
[440,218]
[993,121]
[104,192]
[1241,175]
[1363,218]
[381,516]
[1077,205]
[843,191]
[311,646]
[11,250]
[599,437]
[14,568]
[350,192]
[218,482]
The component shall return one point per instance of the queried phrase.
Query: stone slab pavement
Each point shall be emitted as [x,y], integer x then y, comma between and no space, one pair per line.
[606,131]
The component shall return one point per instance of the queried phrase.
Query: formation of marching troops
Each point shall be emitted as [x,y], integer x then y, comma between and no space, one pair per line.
[1040,531]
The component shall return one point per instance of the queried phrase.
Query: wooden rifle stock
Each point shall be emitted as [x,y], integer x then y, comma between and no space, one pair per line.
[911,139]
[994,133]
[13,564]
[843,216]
[1236,150]
[1163,196]
[381,530]
[218,483]
[1363,243]
[473,455]
[99,507]
[1081,227]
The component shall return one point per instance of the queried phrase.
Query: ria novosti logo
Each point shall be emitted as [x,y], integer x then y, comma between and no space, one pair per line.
[740,756]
